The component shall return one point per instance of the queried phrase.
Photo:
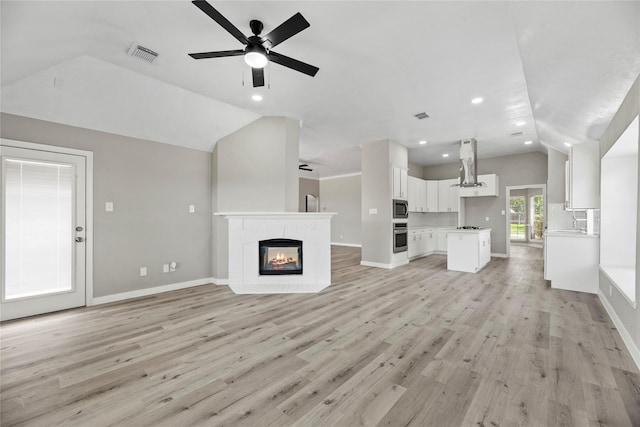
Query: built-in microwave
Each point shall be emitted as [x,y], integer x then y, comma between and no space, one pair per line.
[400,208]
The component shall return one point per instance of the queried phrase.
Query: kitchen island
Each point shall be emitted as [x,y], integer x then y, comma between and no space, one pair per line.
[468,250]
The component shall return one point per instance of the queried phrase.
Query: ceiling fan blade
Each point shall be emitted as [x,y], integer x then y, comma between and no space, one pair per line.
[221,20]
[287,29]
[303,165]
[258,77]
[294,64]
[306,169]
[218,54]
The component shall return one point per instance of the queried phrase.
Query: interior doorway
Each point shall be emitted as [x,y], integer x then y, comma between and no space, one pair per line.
[527,218]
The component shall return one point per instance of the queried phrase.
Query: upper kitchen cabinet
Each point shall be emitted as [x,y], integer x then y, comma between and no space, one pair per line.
[582,179]
[490,186]
[432,195]
[400,183]
[417,196]
[448,195]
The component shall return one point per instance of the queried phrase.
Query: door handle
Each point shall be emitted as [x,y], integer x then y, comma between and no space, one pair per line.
[79,239]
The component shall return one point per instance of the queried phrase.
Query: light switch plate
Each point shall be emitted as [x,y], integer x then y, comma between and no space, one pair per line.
[108,206]
[165,268]
[192,208]
[373,211]
[143,271]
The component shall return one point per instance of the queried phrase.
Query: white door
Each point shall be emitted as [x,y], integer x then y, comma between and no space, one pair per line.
[43,264]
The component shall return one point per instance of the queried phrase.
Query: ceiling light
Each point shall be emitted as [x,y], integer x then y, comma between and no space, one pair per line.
[567,144]
[476,100]
[445,155]
[256,97]
[422,142]
[255,56]
[528,142]
[521,123]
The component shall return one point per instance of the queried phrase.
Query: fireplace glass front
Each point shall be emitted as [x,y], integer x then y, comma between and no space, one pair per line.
[280,256]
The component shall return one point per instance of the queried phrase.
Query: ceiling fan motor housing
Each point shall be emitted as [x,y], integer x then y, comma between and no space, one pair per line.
[256,27]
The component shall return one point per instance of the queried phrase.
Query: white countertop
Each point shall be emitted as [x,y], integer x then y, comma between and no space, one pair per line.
[570,233]
[470,231]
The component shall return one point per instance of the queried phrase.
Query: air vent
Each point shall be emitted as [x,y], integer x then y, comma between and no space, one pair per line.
[143,53]
[422,116]
[517,133]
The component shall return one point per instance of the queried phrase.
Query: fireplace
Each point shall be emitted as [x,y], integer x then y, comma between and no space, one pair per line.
[280,256]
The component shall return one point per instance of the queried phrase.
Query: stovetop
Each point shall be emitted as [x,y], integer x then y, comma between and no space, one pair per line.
[469,227]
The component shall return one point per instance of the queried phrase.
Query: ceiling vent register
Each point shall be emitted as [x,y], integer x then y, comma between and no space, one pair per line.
[421,116]
[143,53]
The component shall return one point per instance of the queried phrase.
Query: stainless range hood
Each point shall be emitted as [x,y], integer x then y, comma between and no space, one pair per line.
[468,160]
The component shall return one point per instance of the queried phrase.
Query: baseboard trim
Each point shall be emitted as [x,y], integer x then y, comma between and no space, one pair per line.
[149,291]
[499,255]
[381,265]
[220,282]
[351,245]
[631,346]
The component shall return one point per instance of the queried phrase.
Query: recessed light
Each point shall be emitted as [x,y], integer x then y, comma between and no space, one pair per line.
[477,100]
[256,97]
[422,142]
[528,142]
[567,144]
[521,123]
[445,155]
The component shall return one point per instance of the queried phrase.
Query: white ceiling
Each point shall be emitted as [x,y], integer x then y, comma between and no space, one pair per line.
[561,67]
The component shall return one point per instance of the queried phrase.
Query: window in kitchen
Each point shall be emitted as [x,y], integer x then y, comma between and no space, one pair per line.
[619,213]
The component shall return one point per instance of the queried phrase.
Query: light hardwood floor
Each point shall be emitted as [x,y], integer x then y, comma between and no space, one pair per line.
[417,345]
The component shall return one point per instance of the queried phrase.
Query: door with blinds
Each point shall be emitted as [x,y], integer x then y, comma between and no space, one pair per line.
[43,263]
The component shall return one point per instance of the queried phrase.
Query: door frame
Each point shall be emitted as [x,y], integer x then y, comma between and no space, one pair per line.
[508,209]
[88,155]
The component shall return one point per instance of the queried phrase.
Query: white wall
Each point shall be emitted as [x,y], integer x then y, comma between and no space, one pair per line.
[626,316]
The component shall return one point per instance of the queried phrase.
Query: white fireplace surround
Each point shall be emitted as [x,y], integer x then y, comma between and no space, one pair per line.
[246,229]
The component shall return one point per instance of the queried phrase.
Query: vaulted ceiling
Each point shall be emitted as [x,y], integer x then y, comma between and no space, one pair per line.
[559,68]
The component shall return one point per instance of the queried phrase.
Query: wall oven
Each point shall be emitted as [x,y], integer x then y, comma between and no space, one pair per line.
[400,237]
[400,208]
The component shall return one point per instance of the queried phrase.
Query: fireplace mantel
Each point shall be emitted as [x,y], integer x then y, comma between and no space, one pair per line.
[246,229]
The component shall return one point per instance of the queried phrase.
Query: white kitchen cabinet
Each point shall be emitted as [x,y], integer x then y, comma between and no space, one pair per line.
[400,183]
[468,250]
[432,196]
[582,177]
[417,194]
[441,243]
[448,200]
[431,237]
[571,260]
[490,187]
[422,241]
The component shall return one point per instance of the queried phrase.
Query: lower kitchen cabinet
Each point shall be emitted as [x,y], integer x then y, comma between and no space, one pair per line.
[468,250]
[422,241]
[441,239]
[571,261]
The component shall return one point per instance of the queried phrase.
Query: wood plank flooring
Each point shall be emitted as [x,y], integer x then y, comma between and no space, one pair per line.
[414,346]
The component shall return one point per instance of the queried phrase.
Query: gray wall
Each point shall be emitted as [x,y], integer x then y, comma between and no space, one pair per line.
[629,316]
[377,159]
[151,185]
[556,179]
[255,169]
[415,170]
[307,186]
[513,170]
[344,196]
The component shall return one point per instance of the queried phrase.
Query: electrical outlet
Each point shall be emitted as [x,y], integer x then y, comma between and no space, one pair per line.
[192,208]
[165,268]
[373,211]
[341,237]
[143,271]
[108,206]
[486,218]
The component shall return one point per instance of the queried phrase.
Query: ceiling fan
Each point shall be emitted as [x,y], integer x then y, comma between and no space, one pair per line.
[257,52]
[305,167]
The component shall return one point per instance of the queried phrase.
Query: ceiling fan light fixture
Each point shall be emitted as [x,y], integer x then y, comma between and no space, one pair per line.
[255,56]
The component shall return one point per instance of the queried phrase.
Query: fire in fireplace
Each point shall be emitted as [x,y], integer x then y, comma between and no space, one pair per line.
[280,256]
